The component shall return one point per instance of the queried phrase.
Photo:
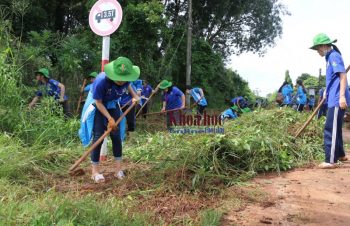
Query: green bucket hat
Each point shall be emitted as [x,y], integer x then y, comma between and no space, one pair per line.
[93,74]
[165,84]
[43,71]
[321,39]
[122,69]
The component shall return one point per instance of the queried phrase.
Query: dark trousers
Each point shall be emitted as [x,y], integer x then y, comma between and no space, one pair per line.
[66,109]
[322,111]
[100,126]
[300,107]
[130,118]
[333,136]
[200,109]
[311,107]
[145,110]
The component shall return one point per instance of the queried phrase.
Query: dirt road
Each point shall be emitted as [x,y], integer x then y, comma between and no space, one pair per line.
[309,196]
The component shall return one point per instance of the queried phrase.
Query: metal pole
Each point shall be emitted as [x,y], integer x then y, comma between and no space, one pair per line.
[105,59]
[105,51]
[189,50]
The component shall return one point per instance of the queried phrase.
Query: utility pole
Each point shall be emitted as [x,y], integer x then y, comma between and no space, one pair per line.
[189,50]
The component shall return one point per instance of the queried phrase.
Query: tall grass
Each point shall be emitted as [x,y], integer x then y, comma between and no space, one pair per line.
[22,206]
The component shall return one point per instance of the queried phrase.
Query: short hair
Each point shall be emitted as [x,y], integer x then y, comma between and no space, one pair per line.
[188,87]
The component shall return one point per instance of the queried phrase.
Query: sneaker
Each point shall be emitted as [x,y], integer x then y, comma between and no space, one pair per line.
[326,165]
[120,175]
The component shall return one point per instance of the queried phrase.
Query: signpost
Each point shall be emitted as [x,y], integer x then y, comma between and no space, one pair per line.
[104,19]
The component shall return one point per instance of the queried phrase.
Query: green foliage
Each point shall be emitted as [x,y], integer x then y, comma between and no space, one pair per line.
[287,78]
[19,162]
[312,81]
[257,142]
[210,218]
[23,206]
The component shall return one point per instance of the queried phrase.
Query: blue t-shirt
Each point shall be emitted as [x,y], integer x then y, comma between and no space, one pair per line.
[312,102]
[287,92]
[335,65]
[301,96]
[87,88]
[146,91]
[106,90]
[126,97]
[237,100]
[196,94]
[173,98]
[51,89]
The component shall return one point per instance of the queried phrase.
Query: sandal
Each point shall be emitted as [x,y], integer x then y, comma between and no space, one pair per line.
[343,159]
[120,175]
[326,165]
[98,178]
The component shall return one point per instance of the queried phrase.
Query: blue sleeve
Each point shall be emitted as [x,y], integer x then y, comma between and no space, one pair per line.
[98,89]
[178,92]
[196,90]
[137,85]
[87,88]
[54,82]
[336,62]
[300,91]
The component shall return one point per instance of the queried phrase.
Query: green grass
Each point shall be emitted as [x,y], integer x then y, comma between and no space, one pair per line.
[257,142]
[23,206]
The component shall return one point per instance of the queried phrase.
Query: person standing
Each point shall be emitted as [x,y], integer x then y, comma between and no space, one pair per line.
[337,96]
[199,98]
[50,87]
[323,109]
[91,77]
[286,90]
[301,96]
[311,102]
[173,98]
[125,103]
[145,93]
[108,88]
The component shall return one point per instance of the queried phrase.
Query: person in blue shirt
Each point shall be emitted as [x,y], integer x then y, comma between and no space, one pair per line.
[145,93]
[125,102]
[230,113]
[287,92]
[337,96]
[301,96]
[311,102]
[50,87]
[108,88]
[323,109]
[173,98]
[199,98]
[92,77]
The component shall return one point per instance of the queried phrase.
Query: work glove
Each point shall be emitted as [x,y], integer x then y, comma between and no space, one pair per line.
[111,124]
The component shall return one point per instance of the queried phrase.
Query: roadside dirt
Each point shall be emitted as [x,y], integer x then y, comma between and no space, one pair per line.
[308,196]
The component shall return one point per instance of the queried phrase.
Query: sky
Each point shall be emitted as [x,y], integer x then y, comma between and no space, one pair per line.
[291,52]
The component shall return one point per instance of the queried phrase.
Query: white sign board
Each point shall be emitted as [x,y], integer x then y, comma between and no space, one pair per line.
[105,17]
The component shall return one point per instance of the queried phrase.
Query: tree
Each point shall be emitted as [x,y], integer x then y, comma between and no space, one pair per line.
[312,81]
[287,78]
[232,26]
